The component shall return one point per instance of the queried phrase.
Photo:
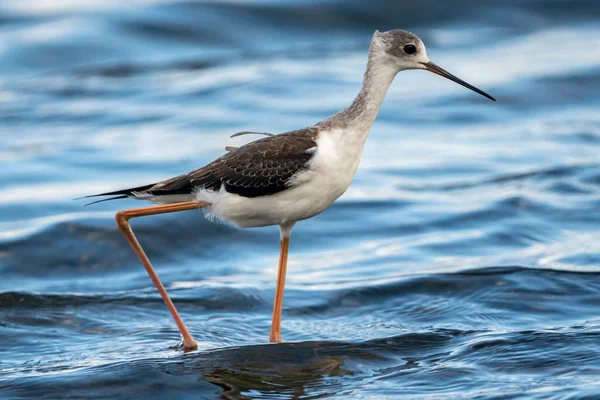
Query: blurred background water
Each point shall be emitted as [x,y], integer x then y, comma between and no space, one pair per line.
[464,261]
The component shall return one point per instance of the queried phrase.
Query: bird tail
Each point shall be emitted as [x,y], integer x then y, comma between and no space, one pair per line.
[118,194]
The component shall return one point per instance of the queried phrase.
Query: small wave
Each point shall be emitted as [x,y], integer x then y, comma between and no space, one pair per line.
[540,175]
[221,299]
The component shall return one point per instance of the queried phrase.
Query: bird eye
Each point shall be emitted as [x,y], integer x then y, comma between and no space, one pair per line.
[410,49]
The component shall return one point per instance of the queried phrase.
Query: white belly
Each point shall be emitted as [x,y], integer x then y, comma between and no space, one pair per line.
[330,173]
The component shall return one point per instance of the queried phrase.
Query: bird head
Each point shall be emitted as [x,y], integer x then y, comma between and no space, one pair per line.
[405,50]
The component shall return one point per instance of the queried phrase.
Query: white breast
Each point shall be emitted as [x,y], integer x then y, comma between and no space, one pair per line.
[330,172]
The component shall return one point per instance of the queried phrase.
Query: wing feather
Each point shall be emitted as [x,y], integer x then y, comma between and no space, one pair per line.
[259,168]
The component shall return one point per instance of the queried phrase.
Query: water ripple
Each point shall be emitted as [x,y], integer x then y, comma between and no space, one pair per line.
[463,262]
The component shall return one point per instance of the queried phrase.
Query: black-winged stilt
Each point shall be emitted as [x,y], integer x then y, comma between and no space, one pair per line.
[282,179]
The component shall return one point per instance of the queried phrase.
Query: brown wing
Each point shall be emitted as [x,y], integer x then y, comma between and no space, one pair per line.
[259,168]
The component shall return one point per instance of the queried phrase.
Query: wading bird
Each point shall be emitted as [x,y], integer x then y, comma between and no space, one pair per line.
[282,179]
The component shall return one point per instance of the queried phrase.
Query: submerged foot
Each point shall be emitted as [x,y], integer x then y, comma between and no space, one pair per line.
[275,337]
[189,345]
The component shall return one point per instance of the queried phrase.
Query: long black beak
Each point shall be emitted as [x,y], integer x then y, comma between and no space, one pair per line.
[436,69]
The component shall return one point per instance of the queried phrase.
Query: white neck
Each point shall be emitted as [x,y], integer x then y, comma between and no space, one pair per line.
[378,78]
[342,136]
[346,132]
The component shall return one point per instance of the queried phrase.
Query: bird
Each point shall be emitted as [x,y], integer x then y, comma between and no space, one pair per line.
[284,178]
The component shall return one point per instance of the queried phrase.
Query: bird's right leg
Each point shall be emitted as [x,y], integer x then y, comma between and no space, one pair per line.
[286,230]
[123,218]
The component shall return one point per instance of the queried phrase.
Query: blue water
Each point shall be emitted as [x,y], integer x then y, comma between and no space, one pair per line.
[463,262]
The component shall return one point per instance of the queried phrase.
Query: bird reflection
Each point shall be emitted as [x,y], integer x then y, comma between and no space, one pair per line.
[294,373]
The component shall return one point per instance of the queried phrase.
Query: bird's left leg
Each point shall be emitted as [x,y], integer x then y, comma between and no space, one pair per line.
[123,218]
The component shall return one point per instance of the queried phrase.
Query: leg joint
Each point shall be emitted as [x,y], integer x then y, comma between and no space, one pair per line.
[122,218]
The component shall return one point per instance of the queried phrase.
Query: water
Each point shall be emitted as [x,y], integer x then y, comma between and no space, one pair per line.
[464,261]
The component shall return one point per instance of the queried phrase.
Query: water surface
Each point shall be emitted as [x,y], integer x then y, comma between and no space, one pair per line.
[464,261]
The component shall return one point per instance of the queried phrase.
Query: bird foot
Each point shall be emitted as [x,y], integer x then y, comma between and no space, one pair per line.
[189,346]
[275,338]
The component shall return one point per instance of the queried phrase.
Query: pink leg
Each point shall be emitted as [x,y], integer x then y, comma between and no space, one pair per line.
[123,218]
[275,336]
